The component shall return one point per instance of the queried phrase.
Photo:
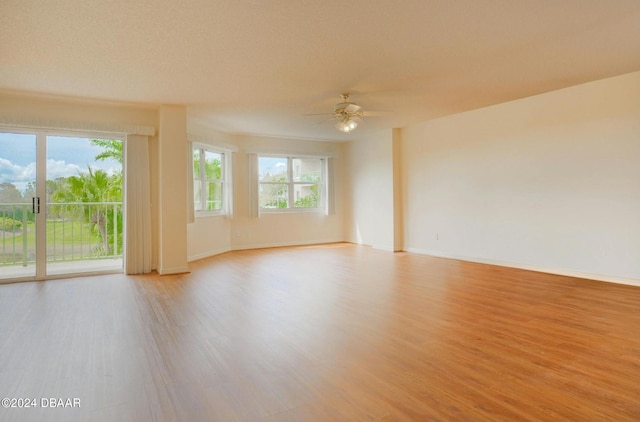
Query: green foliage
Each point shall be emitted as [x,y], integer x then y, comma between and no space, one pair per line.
[212,167]
[70,196]
[113,220]
[310,177]
[208,189]
[112,149]
[214,196]
[196,163]
[278,193]
[90,187]
[68,236]
[19,213]
[277,203]
[9,224]
[309,201]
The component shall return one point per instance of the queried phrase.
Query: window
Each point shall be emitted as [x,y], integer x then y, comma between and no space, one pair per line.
[290,183]
[209,188]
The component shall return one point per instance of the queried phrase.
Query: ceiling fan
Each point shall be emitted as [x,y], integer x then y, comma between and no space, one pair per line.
[348,114]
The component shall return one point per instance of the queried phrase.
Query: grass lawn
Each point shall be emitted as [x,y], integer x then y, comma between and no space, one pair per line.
[65,240]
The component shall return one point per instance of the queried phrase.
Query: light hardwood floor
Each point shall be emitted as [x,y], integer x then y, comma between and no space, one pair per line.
[323,333]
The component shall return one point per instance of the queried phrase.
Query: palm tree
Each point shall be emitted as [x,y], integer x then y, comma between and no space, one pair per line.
[94,186]
[112,149]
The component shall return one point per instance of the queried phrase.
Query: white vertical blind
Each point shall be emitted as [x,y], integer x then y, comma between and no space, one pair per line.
[137,205]
[191,213]
[228,182]
[253,185]
[330,203]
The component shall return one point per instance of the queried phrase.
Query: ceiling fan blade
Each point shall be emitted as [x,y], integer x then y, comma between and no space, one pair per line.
[376,113]
[352,108]
[319,114]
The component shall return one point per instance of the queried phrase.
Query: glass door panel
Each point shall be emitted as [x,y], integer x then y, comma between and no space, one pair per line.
[84,205]
[18,201]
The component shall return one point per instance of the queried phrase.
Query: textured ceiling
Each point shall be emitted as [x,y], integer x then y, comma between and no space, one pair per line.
[257,66]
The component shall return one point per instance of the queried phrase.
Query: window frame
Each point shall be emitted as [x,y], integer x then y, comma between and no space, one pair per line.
[291,184]
[202,180]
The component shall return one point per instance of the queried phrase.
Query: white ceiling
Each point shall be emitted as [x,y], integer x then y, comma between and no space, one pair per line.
[257,66]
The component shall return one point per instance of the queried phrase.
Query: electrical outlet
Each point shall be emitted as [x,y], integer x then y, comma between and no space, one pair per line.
[236,233]
[437,236]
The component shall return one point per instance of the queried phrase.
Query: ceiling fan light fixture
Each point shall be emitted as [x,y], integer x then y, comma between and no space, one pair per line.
[346,125]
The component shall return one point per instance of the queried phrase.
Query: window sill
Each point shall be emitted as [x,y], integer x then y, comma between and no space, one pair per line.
[204,214]
[291,211]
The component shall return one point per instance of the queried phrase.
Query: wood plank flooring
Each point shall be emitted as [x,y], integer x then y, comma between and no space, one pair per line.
[323,333]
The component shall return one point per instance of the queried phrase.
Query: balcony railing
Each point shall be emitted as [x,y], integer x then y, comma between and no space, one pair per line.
[75,231]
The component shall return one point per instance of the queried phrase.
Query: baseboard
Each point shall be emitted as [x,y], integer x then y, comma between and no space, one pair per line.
[207,254]
[383,248]
[175,270]
[530,267]
[284,244]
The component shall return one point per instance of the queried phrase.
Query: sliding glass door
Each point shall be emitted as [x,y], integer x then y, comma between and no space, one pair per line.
[18,205]
[60,205]
[84,204]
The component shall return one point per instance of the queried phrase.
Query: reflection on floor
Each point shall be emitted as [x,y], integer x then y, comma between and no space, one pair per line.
[62,268]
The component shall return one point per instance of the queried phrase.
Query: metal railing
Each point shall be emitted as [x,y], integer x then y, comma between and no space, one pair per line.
[75,231]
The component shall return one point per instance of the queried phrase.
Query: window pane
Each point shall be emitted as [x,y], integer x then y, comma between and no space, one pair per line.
[273,196]
[196,163]
[307,169]
[197,195]
[214,196]
[213,165]
[272,169]
[306,195]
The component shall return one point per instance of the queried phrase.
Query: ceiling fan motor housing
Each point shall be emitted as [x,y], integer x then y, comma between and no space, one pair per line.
[345,109]
[340,108]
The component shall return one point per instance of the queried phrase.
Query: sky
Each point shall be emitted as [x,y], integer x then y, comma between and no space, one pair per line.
[271,165]
[66,156]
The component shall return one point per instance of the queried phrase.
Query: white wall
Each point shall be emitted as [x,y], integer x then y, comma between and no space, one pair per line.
[172,198]
[369,218]
[208,236]
[398,223]
[61,109]
[551,181]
